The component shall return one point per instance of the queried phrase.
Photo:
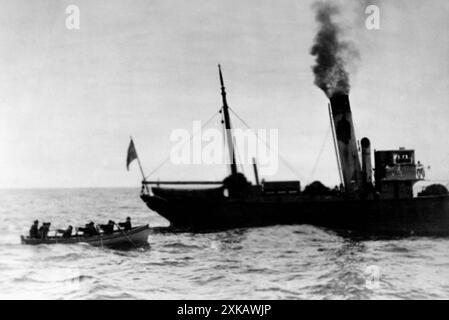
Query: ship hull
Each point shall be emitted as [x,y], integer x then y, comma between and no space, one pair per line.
[422,216]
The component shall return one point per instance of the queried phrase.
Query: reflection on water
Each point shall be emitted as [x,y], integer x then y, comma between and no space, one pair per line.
[279,262]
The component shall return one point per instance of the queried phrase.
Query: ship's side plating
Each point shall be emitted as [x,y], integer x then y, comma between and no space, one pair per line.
[428,216]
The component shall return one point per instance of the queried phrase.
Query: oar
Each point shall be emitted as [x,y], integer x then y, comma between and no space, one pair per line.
[124,233]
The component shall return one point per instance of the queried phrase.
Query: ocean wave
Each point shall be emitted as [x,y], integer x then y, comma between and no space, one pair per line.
[34,279]
[114,296]
[180,245]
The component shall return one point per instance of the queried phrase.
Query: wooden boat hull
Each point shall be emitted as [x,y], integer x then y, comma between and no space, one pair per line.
[137,236]
[422,216]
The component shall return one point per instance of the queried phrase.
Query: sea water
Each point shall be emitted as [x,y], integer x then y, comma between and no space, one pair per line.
[278,262]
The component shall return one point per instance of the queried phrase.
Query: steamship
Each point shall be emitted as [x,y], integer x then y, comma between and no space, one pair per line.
[371,201]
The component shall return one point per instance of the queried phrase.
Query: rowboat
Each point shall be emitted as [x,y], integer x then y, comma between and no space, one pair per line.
[135,237]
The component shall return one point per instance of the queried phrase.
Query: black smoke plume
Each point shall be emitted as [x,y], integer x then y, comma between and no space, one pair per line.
[330,51]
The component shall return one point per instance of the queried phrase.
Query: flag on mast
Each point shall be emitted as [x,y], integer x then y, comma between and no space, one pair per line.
[132,154]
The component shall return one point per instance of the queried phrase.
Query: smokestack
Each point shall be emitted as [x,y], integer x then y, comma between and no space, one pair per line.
[367,168]
[346,141]
[332,54]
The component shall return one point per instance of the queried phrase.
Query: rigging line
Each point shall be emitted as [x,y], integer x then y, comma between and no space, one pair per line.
[335,142]
[285,162]
[191,137]
[315,166]
[124,233]
[357,141]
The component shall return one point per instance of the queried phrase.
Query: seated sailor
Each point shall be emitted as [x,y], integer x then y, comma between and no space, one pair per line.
[126,225]
[67,233]
[108,228]
[89,230]
[34,230]
[43,230]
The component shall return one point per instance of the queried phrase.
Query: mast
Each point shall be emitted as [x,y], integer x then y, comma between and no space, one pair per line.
[140,164]
[228,127]
[138,160]
[256,174]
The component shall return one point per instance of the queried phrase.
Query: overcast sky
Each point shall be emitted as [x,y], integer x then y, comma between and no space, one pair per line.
[69,100]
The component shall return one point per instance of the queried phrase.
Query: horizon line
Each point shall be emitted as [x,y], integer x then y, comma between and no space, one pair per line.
[74,187]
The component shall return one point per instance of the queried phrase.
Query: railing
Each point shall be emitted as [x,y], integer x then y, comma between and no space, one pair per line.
[183,182]
[405,172]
